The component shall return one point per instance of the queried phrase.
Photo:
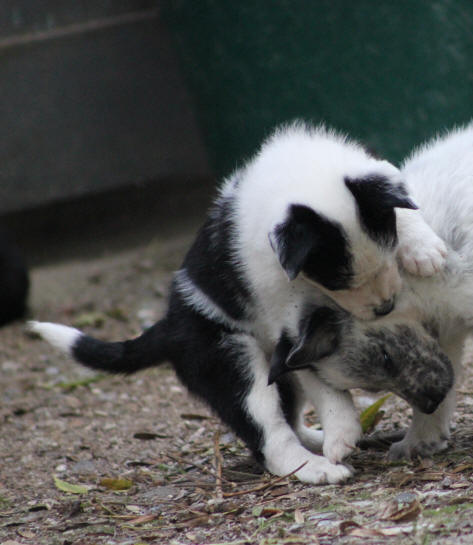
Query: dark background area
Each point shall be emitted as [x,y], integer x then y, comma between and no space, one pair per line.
[118,117]
[388,73]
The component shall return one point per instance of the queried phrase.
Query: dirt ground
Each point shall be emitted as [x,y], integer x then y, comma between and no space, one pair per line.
[182,477]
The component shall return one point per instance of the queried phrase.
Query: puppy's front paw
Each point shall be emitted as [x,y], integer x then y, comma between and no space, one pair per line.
[408,449]
[313,469]
[423,256]
[319,470]
[340,441]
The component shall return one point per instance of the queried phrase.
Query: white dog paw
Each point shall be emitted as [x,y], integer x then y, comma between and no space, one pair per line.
[424,256]
[310,467]
[318,470]
[341,442]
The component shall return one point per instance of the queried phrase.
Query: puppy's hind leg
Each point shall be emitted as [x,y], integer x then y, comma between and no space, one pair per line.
[337,414]
[293,400]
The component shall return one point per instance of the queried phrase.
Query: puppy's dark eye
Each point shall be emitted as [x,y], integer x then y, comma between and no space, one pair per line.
[389,364]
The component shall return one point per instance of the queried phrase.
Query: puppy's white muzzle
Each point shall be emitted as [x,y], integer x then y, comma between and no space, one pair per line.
[374,298]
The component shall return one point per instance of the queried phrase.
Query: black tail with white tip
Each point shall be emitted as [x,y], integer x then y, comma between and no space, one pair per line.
[114,357]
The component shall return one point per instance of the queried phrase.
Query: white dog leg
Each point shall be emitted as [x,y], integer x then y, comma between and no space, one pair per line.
[421,251]
[338,416]
[312,440]
[281,448]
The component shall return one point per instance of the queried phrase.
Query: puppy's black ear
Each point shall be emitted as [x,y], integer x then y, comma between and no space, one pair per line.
[375,191]
[307,240]
[319,337]
[295,238]
[376,198]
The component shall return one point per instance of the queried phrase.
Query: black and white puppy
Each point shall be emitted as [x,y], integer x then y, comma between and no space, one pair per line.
[405,352]
[311,213]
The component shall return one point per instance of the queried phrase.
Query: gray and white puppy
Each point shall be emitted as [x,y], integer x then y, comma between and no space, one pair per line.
[348,353]
[406,352]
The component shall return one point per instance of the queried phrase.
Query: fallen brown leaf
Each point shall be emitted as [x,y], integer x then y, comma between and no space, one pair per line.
[404,507]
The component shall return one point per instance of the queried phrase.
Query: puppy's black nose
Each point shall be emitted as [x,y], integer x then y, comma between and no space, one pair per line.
[428,406]
[430,399]
[385,308]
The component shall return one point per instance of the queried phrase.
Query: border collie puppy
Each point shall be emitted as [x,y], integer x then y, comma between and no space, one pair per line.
[14,281]
[405,351]
[311,213]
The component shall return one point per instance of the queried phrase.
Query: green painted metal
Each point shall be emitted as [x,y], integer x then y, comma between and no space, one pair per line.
[390,73]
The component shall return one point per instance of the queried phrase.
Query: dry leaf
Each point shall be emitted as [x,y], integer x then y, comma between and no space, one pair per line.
[365,532]
[89,319]
[425,463]
[143,519]
[461,468]
[400,478]
[270,512]
[298,516]
[396,530]
[71,488]
[347,525]
[192,416]
[372,415]
[116,484]
[430,476]
[460,485]
[404,507]
[27,534]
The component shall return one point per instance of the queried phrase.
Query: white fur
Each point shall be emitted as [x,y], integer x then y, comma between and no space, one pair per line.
[282,449]
[62,337]
[309,167]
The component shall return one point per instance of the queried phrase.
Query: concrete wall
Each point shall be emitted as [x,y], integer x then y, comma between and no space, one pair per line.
[91,98]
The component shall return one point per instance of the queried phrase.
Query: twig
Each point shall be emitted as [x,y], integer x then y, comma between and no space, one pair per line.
[218,466]
[202,468]
[182,461]
[269,484]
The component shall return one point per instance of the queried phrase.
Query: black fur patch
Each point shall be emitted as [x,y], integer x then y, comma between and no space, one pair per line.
[279,357]
[319,337]
[307,241]
[287,393]
[210,263]
[14,281]
[376,199]
[97,354]
[130,356]
[212,363]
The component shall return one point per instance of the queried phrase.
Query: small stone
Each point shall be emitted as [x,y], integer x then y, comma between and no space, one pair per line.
[10,366]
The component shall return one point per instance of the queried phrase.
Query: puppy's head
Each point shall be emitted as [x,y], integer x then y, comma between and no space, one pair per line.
[398,356]
[339,228]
